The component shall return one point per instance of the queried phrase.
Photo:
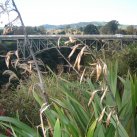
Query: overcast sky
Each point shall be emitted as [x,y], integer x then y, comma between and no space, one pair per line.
[39,12]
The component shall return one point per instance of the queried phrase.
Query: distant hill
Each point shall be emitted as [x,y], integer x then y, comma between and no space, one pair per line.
[123,26]
[74,25]
[80,24]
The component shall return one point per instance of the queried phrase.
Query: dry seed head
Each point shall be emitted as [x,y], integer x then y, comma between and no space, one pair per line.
[17,54]
[108,118]
[7,58]
[78,64]
[93,64]
[105,70]
[104,93]
[98,70]
[117,119]
[30,67]
[67,42]
[31,61]
[25,67]
[11,74]
[59,42]
[16,63]
[73,50]
[80,56]
[81,78]
[101,115]
[44,107]
[76,61]
[72,40]
[92,96]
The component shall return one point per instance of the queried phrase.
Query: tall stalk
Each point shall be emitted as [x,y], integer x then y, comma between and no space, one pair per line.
[27,43]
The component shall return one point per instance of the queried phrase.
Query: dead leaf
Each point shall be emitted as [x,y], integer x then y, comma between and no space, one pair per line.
[72,40]
[81,78]
[11,74]
[98,70]
[101,115]
[73,50]
[108,118]
[104,93]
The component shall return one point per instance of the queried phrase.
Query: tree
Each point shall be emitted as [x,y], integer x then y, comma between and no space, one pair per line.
[41,30]
[91,29]
[61,32]
[121,31]
[110,28]
[131,30]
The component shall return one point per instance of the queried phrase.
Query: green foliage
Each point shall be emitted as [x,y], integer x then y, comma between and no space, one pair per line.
[121,31]
[110,28]
[20,129]
[127,60]
[131,30]
[91,29]
[62,32]
[127,113]
[70,107]
[30,30]
[91,129]
[70,115]
[57,130]
[131,59]
[21,102]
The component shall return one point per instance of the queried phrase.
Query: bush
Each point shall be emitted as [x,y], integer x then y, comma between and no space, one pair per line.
[131,59]
[22,103]
[91,29]
[127,60]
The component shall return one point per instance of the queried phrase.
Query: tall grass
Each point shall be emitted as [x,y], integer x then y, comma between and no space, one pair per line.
[77,109]
[90,105]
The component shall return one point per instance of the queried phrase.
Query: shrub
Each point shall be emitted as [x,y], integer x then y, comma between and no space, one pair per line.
[127,59]
[22,103]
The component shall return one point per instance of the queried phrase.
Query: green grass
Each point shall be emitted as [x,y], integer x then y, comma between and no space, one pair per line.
[70,115]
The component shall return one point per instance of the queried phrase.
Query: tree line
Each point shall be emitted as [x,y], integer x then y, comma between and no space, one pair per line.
[109,28]
[18,30]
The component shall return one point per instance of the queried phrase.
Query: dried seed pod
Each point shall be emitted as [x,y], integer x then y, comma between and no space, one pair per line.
[92,96]
[73,50]
[98,70]
[101,115]
[59,42]
[80,56]
[93,64]
[17,54]
[117,119]
[7,58]
[105,70]
[72,40]
[104,93]
[81,78]
[78,59]
[108,118]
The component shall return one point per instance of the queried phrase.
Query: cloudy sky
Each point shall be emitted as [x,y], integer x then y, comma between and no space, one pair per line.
[39,12]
